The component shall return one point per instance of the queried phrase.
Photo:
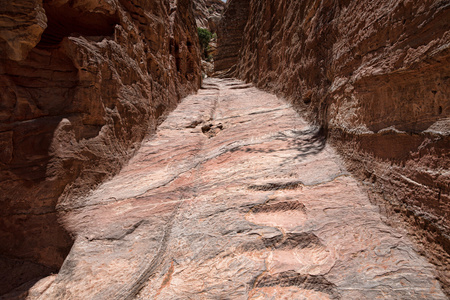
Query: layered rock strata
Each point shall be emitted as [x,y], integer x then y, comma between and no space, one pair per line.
[235,197]
[230,35]
[208,13]
[81,84]
[376,76]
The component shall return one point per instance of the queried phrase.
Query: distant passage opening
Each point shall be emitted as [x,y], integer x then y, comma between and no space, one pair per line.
[65,21]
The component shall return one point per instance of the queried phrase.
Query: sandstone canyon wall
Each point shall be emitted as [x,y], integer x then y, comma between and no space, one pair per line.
[81,84]
[230,36]
[208,13]
[376,76]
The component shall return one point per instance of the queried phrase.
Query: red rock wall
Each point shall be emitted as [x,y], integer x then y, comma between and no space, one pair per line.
[208,13]
[376,75]
[81,84]
[230,35]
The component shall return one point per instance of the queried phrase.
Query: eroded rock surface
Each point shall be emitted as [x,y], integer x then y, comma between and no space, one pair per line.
[376,75]
[235,197]
[22,25]
[81,84]
[230,37]
[208,13]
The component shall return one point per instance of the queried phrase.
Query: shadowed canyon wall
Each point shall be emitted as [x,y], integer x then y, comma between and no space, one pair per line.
[208,14]
[376,76]
[81,84]
[230,37]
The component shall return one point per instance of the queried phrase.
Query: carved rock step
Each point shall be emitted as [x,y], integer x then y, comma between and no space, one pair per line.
[263,210]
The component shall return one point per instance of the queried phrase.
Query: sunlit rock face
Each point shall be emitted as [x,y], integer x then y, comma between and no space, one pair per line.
[81,84]
[236,196]
[376,75]
[208,13]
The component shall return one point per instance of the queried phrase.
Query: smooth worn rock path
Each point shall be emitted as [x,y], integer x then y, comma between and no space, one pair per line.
[235,197]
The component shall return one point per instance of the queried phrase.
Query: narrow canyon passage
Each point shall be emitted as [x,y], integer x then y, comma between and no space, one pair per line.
[235,197]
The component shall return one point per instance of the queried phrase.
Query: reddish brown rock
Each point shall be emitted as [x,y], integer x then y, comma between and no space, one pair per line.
[208,13]
[230,36]
[376,75]
[235,197]
[207,68]
[76,99]
[21,26]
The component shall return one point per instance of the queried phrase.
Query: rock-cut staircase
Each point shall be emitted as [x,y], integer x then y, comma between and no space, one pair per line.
[235,197]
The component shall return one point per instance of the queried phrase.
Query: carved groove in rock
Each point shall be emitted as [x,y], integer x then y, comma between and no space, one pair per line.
[290,278]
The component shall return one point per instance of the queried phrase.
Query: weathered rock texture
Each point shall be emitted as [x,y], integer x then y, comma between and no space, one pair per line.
[235,197]
[376,75]
[81,84]
[208,13]
[230,35]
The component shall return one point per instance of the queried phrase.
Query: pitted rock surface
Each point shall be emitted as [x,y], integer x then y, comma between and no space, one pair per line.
[262,210]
